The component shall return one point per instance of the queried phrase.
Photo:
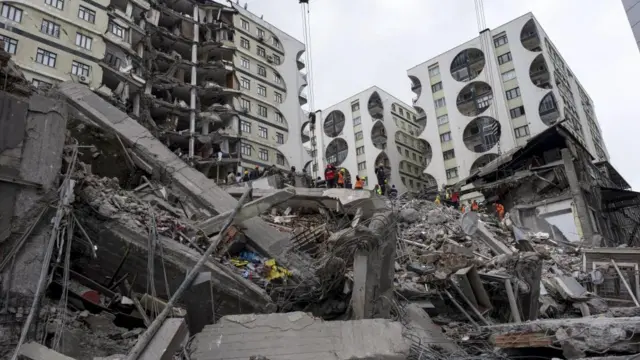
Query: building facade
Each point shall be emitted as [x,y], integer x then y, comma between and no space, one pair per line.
[491,94]
[632,8]
[366,130]
[218,84]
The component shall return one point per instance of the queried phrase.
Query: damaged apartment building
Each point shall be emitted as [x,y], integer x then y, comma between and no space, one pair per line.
[217,84]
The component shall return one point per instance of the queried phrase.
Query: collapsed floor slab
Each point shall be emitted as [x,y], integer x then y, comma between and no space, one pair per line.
[300,336]
[156,158]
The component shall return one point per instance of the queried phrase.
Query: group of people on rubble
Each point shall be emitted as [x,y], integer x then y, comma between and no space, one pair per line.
[340,178]
[256,173]
[452,198]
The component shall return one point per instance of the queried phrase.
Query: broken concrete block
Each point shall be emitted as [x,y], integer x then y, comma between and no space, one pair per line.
[166,341]
[35,351]
[199,302]
[409,215]
[296,335]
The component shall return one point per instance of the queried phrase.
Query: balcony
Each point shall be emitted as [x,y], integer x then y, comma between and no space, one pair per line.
[302,97]
[529,36]
[379,136]
[481,134]
[467,65]
[539,73]
[375,106]
[474,98]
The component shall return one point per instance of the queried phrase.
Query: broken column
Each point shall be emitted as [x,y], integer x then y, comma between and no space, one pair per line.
[199,302]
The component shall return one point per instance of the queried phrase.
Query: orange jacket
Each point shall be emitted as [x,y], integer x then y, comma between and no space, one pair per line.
[499,208]
[474,206]
[340,178]
[359,184]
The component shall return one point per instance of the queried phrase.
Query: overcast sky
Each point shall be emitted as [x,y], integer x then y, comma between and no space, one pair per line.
[360,43]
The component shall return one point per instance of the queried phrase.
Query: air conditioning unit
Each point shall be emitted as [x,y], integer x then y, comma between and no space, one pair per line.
[270,59]
[83,79]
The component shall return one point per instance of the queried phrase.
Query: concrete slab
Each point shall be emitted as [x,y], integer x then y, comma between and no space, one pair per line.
[166,341]
[35,351]
[299,336]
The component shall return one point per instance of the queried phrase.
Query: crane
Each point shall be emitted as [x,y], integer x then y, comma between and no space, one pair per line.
[306,32]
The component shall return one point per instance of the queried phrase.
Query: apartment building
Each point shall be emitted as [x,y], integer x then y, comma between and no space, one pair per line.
[493,93]
[632,8]
[55,40]
[366,130]
[218,84]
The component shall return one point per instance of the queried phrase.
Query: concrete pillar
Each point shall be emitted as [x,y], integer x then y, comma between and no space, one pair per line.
[364,284]
[578,196]
[383,224]
[199,302]
[136,104]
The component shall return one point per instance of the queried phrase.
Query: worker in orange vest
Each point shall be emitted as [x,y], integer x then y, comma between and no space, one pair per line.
[359,183]
[499,210]
[474,206]
[341,178]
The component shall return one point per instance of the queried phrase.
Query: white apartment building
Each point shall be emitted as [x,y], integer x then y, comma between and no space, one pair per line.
[366,130]
[493,93]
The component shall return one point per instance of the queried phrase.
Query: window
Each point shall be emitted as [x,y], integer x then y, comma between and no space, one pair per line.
[58,4]
[41,84]
[506,76]
[262,111]
[116,29]
[410,183]
[406,152]
[245,83]
[360,150]
[452,173]
[401,112]
[262,90]
[245,127]
[87,14]
[357,121]
[277,78]
[263,132]
[245,24]
[245,149]
[434,70]
[10,45]
[439,103]
[46,58]
[83,41]
[362,165]
[279,117]
[413,155]
[504,58]
[393,107]
[275,42]
[279,138]
[516,112]
[80,69]
[260,51]
[245,43]
[359,135]
[50,28]
[500,40]
[262,71]
[399,150]
[355,106]
[11,12]
[263,154]
[245,63]
[260,33]
[245,104]
[448,155]
[112,60]
[280,159]
[276,59]
[513,93]
[277,97]
[436,87]
[445,137]
[521,131]
[443,119]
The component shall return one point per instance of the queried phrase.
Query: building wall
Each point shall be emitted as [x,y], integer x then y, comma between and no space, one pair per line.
[363,156]
[280,59]
[29,38]
[632,8]
[515,128]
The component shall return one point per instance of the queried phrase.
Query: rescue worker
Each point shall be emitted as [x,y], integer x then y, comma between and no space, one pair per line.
[246,176]
[377,189]
[341,178]
[499,210]
[330,176]
[474,206]
[455,199]
[359,183]
[231,179]
[437,200]
[393,192]
[238,178]
[463,208]
[380,174]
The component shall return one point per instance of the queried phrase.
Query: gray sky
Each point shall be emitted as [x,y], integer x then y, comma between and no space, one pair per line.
[360,43]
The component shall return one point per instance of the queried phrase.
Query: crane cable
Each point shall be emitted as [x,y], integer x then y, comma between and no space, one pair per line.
[306,29]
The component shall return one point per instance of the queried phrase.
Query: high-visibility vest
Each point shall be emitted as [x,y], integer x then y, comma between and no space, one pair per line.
[474,206]
[379,191]
[359,184]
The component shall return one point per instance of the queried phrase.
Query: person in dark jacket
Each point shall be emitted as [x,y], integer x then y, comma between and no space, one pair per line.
[393,192]
[380,174]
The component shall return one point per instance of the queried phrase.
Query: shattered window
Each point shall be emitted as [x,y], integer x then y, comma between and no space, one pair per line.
[245,149]
[87,14]
[280,139]
[245,127]
[262,111]
[277,97]
[39,84]
[260,51]
[80,69]
[245,63]
[245,83]
[263,132]
[263,154]
[11,12]
[245,43]
[262,90]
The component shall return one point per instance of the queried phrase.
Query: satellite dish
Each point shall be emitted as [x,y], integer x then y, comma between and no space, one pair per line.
[469,222]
